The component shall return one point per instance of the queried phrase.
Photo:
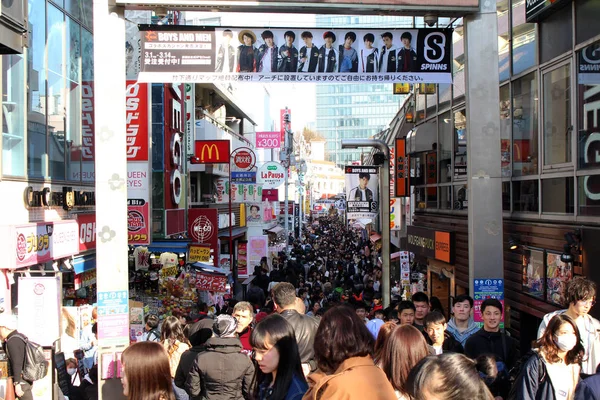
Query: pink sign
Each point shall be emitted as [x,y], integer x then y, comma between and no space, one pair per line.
[268,140]
[257,249]
[45,241]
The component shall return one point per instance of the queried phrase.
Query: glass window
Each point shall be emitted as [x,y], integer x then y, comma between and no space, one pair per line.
[73,92]
[460,144]
[524,41]
[431,103]
[588,108]
[13,115]
[445,147]
[503,39]
[445,197]
[589,195]
[526,196]
[505,196]
[74,7]
[505,123]
[431,197]
[558,195]
[461,197]
[420,106]
[445,95]
[56,93]
[37,155]
[557,116]
[417,169]
[587,15]
[420,200]
[556,34]
[525,126]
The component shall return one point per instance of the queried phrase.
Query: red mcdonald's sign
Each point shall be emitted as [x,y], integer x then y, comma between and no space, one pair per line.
[211,152]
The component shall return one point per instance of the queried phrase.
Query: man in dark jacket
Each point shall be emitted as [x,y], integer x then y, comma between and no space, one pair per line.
[589,388]
[435,333]
[13,344]
[221,372]
[305,327]
[198,333]
[490,340]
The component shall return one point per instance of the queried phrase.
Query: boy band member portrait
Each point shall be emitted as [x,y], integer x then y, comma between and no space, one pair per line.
[387,59]
[407,57]
[362,192]
[266,55]
[369,56]
[348,55]
[245,51]
[225,53]
[288,54]
[328,54]
[309,54]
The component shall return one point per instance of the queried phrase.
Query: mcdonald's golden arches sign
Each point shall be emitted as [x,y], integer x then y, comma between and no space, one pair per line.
[211,152]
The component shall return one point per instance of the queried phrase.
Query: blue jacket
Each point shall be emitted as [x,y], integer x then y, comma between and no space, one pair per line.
[296,391]
[589,388]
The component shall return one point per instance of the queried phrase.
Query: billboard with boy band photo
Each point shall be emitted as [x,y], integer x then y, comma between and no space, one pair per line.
[362,191]
[195,54]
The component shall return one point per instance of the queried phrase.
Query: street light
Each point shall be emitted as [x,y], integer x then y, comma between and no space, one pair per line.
[384,177]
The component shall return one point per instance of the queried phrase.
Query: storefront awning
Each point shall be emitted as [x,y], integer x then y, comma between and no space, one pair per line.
[375,237]
[276,229]
[175,246]
[235,233]
[85,263]
[395,256]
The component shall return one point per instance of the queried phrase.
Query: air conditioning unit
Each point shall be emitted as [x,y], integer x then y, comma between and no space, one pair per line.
[13,26]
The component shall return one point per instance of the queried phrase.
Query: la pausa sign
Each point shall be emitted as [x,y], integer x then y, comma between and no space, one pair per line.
[430,243]
[271,175]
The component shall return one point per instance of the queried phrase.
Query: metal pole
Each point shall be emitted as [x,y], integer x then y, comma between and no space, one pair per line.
[288,152]
[384,181]
[232,265]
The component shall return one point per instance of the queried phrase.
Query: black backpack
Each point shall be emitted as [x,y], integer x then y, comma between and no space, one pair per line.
[35,366]
[516,371]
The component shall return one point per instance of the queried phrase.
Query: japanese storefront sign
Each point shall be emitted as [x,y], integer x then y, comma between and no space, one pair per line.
[430,243]
[214,283]
[401,176]
[199,253]
[258,247]
[113,317]
[203,226]
[242,259]
[268,140]
[484,289]
[87,231]
[39,304]
[44,241]
[395,214]
[136,98]
[271,175]
[392,172]
[211,152]
[243,177]
[242,159]
[362,191]
[241,193]
[238,55]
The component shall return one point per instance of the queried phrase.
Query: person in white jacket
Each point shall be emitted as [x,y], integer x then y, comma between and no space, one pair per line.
[581,294]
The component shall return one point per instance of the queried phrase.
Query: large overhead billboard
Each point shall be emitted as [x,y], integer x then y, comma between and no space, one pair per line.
[198,54]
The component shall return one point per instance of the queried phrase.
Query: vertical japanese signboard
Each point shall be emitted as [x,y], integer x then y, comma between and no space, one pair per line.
[401,175]
[362,191]
[484,289]
[203,226]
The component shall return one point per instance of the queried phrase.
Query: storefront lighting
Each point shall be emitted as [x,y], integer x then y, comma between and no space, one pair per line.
[152,256]
[513,244]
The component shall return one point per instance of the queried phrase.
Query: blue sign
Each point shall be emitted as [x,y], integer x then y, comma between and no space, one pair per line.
[243,176]
[110,303]
[488,289]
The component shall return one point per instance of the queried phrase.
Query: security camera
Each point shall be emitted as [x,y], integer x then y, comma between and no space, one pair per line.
[430,19]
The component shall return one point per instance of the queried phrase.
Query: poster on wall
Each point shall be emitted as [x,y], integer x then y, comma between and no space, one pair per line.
[257,249]
[242,259]
[254,214]
[298,55]
[533,273]
[362,191]
[558,274]
[39,300]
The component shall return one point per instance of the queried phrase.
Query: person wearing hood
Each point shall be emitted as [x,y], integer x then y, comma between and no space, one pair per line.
[222,372]
[490,340]
[437,336]
[199,332]
[462,325]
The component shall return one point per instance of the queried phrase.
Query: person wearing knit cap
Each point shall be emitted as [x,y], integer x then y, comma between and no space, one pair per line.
[222,372]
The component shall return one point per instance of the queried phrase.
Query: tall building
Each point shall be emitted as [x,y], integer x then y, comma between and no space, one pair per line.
[356,111]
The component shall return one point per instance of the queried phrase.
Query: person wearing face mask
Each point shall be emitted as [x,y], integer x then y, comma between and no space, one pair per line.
[552,371]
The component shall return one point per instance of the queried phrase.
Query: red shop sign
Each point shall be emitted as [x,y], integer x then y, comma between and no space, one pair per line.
[215,283]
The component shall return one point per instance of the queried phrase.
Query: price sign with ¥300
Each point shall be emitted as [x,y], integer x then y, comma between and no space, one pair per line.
[169,271]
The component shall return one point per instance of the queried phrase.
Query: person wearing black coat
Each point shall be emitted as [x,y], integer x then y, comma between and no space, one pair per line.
[198,333]
[589,388]
[222,372]
[434,330]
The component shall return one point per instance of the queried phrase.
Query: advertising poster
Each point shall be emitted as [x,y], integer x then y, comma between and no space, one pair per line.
[268,140]
[487,289]
[254,214]
[113,317]
[242,259]
[558,274]
[362,191]
[39,300]
[242,193]
[45,241]
[533,273]
[302,55]
[257,249]
[203,226]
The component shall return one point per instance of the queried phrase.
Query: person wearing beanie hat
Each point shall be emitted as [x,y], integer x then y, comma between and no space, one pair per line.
[13,344]
[222,371]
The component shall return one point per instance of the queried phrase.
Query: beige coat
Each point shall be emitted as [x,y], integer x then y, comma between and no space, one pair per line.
[175,354]
[356,378]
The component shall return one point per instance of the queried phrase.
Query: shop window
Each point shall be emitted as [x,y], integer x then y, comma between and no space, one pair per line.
[525,126]
[37,153]
[502,8]
[444,95]
[445,197]
[461,197]
[557,116]
[588,194]
[505,125]
[556,34]
[587,15]
[158,186]
[431,197]
[420,198]
[13,115]
[524,44]
[588,107]
[460,144]
[420,107]
[418,165]
[526,196]
[558,195]
[505,196]
[445,147]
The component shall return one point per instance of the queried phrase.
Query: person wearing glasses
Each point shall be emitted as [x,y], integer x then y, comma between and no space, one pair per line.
[581,295]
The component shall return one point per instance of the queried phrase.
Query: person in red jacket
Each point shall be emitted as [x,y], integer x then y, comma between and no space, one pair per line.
[244,314]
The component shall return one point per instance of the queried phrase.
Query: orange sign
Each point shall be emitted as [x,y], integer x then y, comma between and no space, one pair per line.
[212,151]
[401,177]
[442,246]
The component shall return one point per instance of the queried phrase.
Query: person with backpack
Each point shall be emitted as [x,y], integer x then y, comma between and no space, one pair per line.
[14,346]
[552,370]
[151,331]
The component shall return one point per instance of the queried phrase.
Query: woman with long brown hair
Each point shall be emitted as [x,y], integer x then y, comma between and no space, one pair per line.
[405,347]
[384,333]
[146,372]
[175,343]
[552,372]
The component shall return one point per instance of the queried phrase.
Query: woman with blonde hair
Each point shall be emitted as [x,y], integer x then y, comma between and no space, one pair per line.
[175,343]
[146,372]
